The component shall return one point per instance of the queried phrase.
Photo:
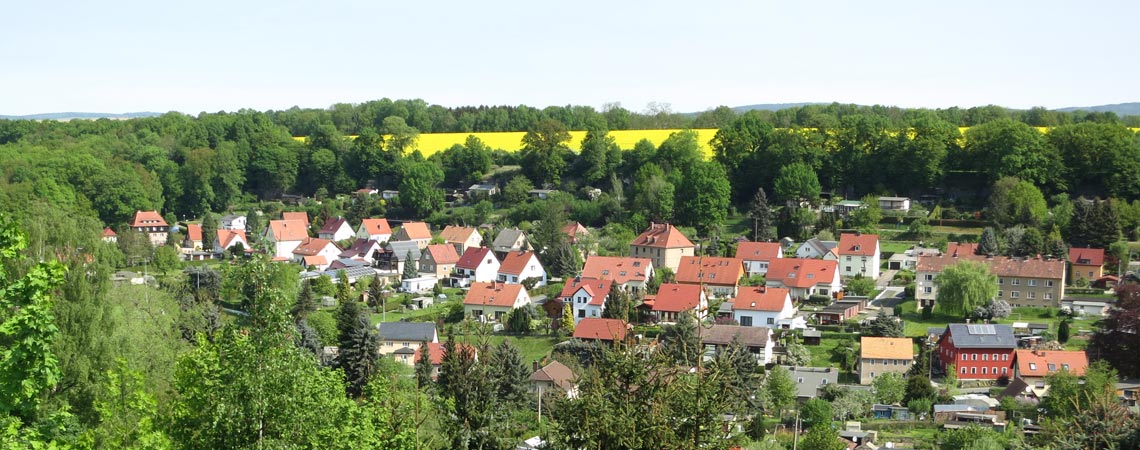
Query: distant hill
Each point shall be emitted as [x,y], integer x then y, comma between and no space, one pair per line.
[81,115]
[772,106]
[1121,109]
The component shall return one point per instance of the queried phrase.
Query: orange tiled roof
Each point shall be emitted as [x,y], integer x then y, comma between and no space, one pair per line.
[1038,363]
[376,226]
[194,232]
[313,246]
[857,244]
[473,257]
[416,230]
[456,234]
[886,348]
[288,230]
[597,289]
[515,262]
[617,268]
[108,232]
[662,235]
[677,297]
[225,237]
[443,253]
[757,251]
[435,351]
[760,298]
[1086,256]
[710,270]
[299,215]
[999,265]
[800,272]
[493,294]
[148,219]
[601,329]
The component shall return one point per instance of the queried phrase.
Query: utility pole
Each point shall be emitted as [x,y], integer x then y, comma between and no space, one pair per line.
[796,433]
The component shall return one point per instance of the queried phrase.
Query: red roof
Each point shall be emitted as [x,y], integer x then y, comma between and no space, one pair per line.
[1038,363]
[317,260]
[376,226]
[857,244]
[801,273]
[416,230]
[1086,256]
[148,219]
[332,225]
[573,230]
[194,232]
[597,289]
[601,329]
[760,298]
[225,237]
[443,253]
[313,246]
[710,270]
[300,215]
[473,257]
[677,297]
[662,235]
[108,232]
[758,251]
[435,351]
[493,294]
[617,268]
[288,230]
[515,262]
[961,249]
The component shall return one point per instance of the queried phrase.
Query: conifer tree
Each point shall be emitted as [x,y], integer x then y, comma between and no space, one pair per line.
[209,231]
[356,355]
[762,217]
[509,375]
[567,322]
[988,244]
[618,305]
[423,367]
[409,268]
[306,301]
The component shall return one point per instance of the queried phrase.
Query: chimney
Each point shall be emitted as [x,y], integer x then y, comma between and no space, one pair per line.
[534,366]
[967,321]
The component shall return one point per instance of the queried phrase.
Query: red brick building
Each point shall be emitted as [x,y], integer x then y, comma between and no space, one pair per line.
[978,351]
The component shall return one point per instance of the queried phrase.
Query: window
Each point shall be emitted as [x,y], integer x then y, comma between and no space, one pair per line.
[848,258]
[963,357]
[1015,294]
[1048,296]
[1001,281]
[927,289]
[985,370]
[800,380]
[389,343]
[985,357]
[1032,366]
[1000,293]
[995,356]
[581,313]
[825,379]
[963,370]
[1048,283]
[846,268]
[1031,282]
[974,357]
[1004,370]
[929,277]
[1052,367]
[1016,282]
[407,344]
[1064,366]
[745,321]
[1031,294]
[771,321]
[973,370]
[1005,357]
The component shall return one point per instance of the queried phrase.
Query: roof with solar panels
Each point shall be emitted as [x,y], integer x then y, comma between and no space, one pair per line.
[969,335]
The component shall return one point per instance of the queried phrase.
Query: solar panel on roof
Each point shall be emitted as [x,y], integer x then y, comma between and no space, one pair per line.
[981,329]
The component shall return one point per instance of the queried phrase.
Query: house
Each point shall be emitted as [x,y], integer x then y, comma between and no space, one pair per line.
[389,194]
[232,222]
[1094,307]
[894,204]
[879,355]
[575,231]
[908,259]
[418,284]
[663,244]
[858,254]
[844,207]
[285,236]
[805,277]
[399,253]
[375,229]
[673,299]
[586,296]
[757,255]
[764,306]
[809,380]
[492,301]
[336,229]
[758,340]
[152,225]
[839,311]
[436,350]
[109,235]
[606,331]
[226,239]
[477,265]
[542,194]
[815,248]
[1033,366]
[1035,282]
[977,351]
[462,238]
[316,252]
[193,240]
[1128,390]
[364,249]
[482,191]
[402,339]
[417,232]
[439,260]
[297,215]
[881,411]
[1087,263]
[345,263]
[628,272]
[720,276]
[553,376]
[519,266]
[510,240]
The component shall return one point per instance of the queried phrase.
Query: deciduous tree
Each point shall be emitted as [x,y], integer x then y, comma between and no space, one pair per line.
[963,286]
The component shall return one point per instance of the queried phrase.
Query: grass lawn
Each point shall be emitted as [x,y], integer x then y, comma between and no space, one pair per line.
[916,326]
[895,246]
[532,348]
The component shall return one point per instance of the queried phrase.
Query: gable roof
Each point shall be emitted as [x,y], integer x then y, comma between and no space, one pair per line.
[288,230]
[507,238]
[296,215]
[376,226]
[400,249]
[313,246]
[821,247]
[961,249]
[443,253]
[601,329]
[886,348]
[473,257]
[317,260]
[194,232]
[758,251]
[514,263]
[857,244]
[597,289]
[1001,266]
[108,232]
[1086,256]
[672,297]
[662,235]
[556,373]
[617,268]
[148,219]
[332,225]
[573,230]
[1038,363]
[980,335]
[457,234]
[416,230]
[749,336]
[435,351]
[760,298]
[226,237]
[801,272]
[493,294]
[710,270]
[406,331]
[360,248]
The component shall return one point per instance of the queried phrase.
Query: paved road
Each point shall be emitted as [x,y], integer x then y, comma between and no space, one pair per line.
[889,297]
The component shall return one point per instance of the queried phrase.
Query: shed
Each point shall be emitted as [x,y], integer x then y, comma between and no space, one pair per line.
[420,284]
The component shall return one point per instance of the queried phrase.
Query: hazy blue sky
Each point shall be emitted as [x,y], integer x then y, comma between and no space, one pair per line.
[208,55]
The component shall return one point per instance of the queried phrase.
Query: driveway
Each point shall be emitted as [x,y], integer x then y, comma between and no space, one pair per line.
[885,278]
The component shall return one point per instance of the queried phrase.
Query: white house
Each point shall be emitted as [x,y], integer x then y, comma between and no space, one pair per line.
[232,222]
[815,248]
[757,255]
[336,229]
[894,203]
[770,307]
[375,229]
[492,301]
[857,254]
[518,266]
[420,284]
[229,238]
[586,296]
[477,264]
[285,236]
[316,252]
[462,238]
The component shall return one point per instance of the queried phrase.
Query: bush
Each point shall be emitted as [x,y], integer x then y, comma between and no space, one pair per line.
[817,299]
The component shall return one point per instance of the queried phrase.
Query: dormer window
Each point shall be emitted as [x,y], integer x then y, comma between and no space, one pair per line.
[1032,366]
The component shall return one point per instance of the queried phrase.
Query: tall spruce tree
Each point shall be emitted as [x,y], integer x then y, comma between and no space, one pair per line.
[618,305]
[763,219]
[409,267]
[680,340]
[306,301]
[376,292]
[423,367]
[509,374]
[988,244]
[359,343]
[209,231]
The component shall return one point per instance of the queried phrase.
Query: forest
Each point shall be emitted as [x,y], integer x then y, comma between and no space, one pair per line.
[229,355]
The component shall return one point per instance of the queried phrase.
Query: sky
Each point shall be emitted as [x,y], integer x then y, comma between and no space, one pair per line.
[207,55]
